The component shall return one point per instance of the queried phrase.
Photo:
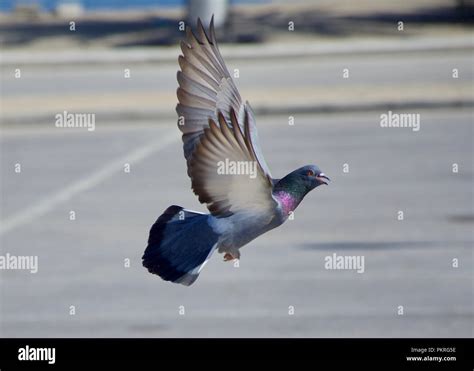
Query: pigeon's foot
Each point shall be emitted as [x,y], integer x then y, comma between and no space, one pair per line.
[229,257]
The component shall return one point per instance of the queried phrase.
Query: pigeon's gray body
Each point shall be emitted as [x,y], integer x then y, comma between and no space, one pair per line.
[239,229]
[218,127]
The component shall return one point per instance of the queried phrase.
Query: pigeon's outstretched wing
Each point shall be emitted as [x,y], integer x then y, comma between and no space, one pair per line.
[225,172]
[206,88]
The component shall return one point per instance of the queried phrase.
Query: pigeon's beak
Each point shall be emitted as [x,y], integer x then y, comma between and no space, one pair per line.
[323,179]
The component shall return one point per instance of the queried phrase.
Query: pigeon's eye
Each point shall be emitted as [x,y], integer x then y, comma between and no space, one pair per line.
[310,173]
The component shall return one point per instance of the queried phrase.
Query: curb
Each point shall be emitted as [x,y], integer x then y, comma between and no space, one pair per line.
[238,52]
[160,115]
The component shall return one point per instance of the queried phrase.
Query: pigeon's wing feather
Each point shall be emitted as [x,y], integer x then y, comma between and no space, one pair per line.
[253,134]
[206,88]
[225,173]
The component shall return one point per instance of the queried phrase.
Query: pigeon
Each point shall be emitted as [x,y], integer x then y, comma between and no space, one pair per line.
[227,170]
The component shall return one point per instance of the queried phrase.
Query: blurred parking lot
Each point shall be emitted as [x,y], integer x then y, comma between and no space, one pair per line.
[281,287]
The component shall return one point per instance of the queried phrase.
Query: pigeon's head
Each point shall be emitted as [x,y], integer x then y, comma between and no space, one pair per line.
[312,176]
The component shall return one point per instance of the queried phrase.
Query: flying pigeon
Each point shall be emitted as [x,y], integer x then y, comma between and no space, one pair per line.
[227,170]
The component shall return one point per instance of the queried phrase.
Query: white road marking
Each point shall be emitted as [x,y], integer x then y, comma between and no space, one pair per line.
[47,204]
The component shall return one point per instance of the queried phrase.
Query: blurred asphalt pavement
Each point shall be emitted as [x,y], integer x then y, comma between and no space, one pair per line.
[382,75]
[81,262]
[337,121]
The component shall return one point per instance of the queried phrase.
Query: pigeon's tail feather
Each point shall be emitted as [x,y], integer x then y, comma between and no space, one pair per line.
[180,243]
